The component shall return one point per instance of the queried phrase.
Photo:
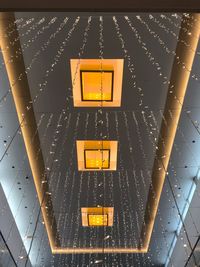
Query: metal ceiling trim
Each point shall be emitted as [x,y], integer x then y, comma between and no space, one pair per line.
[21,94]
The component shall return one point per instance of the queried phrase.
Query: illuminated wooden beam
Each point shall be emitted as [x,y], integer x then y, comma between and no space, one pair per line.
[173,107]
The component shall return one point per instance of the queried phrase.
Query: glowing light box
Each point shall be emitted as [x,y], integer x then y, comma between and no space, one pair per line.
[96,85]
[97,155]
[97,82]
[97,216]
[97,220]
[97,158]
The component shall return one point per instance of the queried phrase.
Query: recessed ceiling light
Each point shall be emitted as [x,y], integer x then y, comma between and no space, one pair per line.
[97,220]
[97,85]
[97,82]
[97,216]
[96,155]
[97,158]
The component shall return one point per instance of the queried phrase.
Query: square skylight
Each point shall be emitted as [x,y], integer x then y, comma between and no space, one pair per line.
[97,158]
[97,82]
[97,85]
[97,220]
[96,155]
[97,216]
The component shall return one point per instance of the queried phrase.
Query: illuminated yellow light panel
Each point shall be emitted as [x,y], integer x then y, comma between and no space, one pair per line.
[97,82]
[97,216]
[98,220]
[97,159]
[97,85]
[96,155]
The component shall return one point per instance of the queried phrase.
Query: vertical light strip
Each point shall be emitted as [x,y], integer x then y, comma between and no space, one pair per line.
[173,107]
[22,99]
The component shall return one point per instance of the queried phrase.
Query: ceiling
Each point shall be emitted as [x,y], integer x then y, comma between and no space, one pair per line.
[101,6]
[83,124]
[48,45]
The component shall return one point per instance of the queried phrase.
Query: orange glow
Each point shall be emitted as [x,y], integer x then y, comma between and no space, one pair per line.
[96,86]
[97,82]
[97,159]
[97,220]
[96,155]
[97,216]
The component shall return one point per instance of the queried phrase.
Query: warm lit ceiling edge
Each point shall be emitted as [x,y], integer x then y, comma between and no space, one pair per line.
[21,109]
[97,250]
[180,78]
